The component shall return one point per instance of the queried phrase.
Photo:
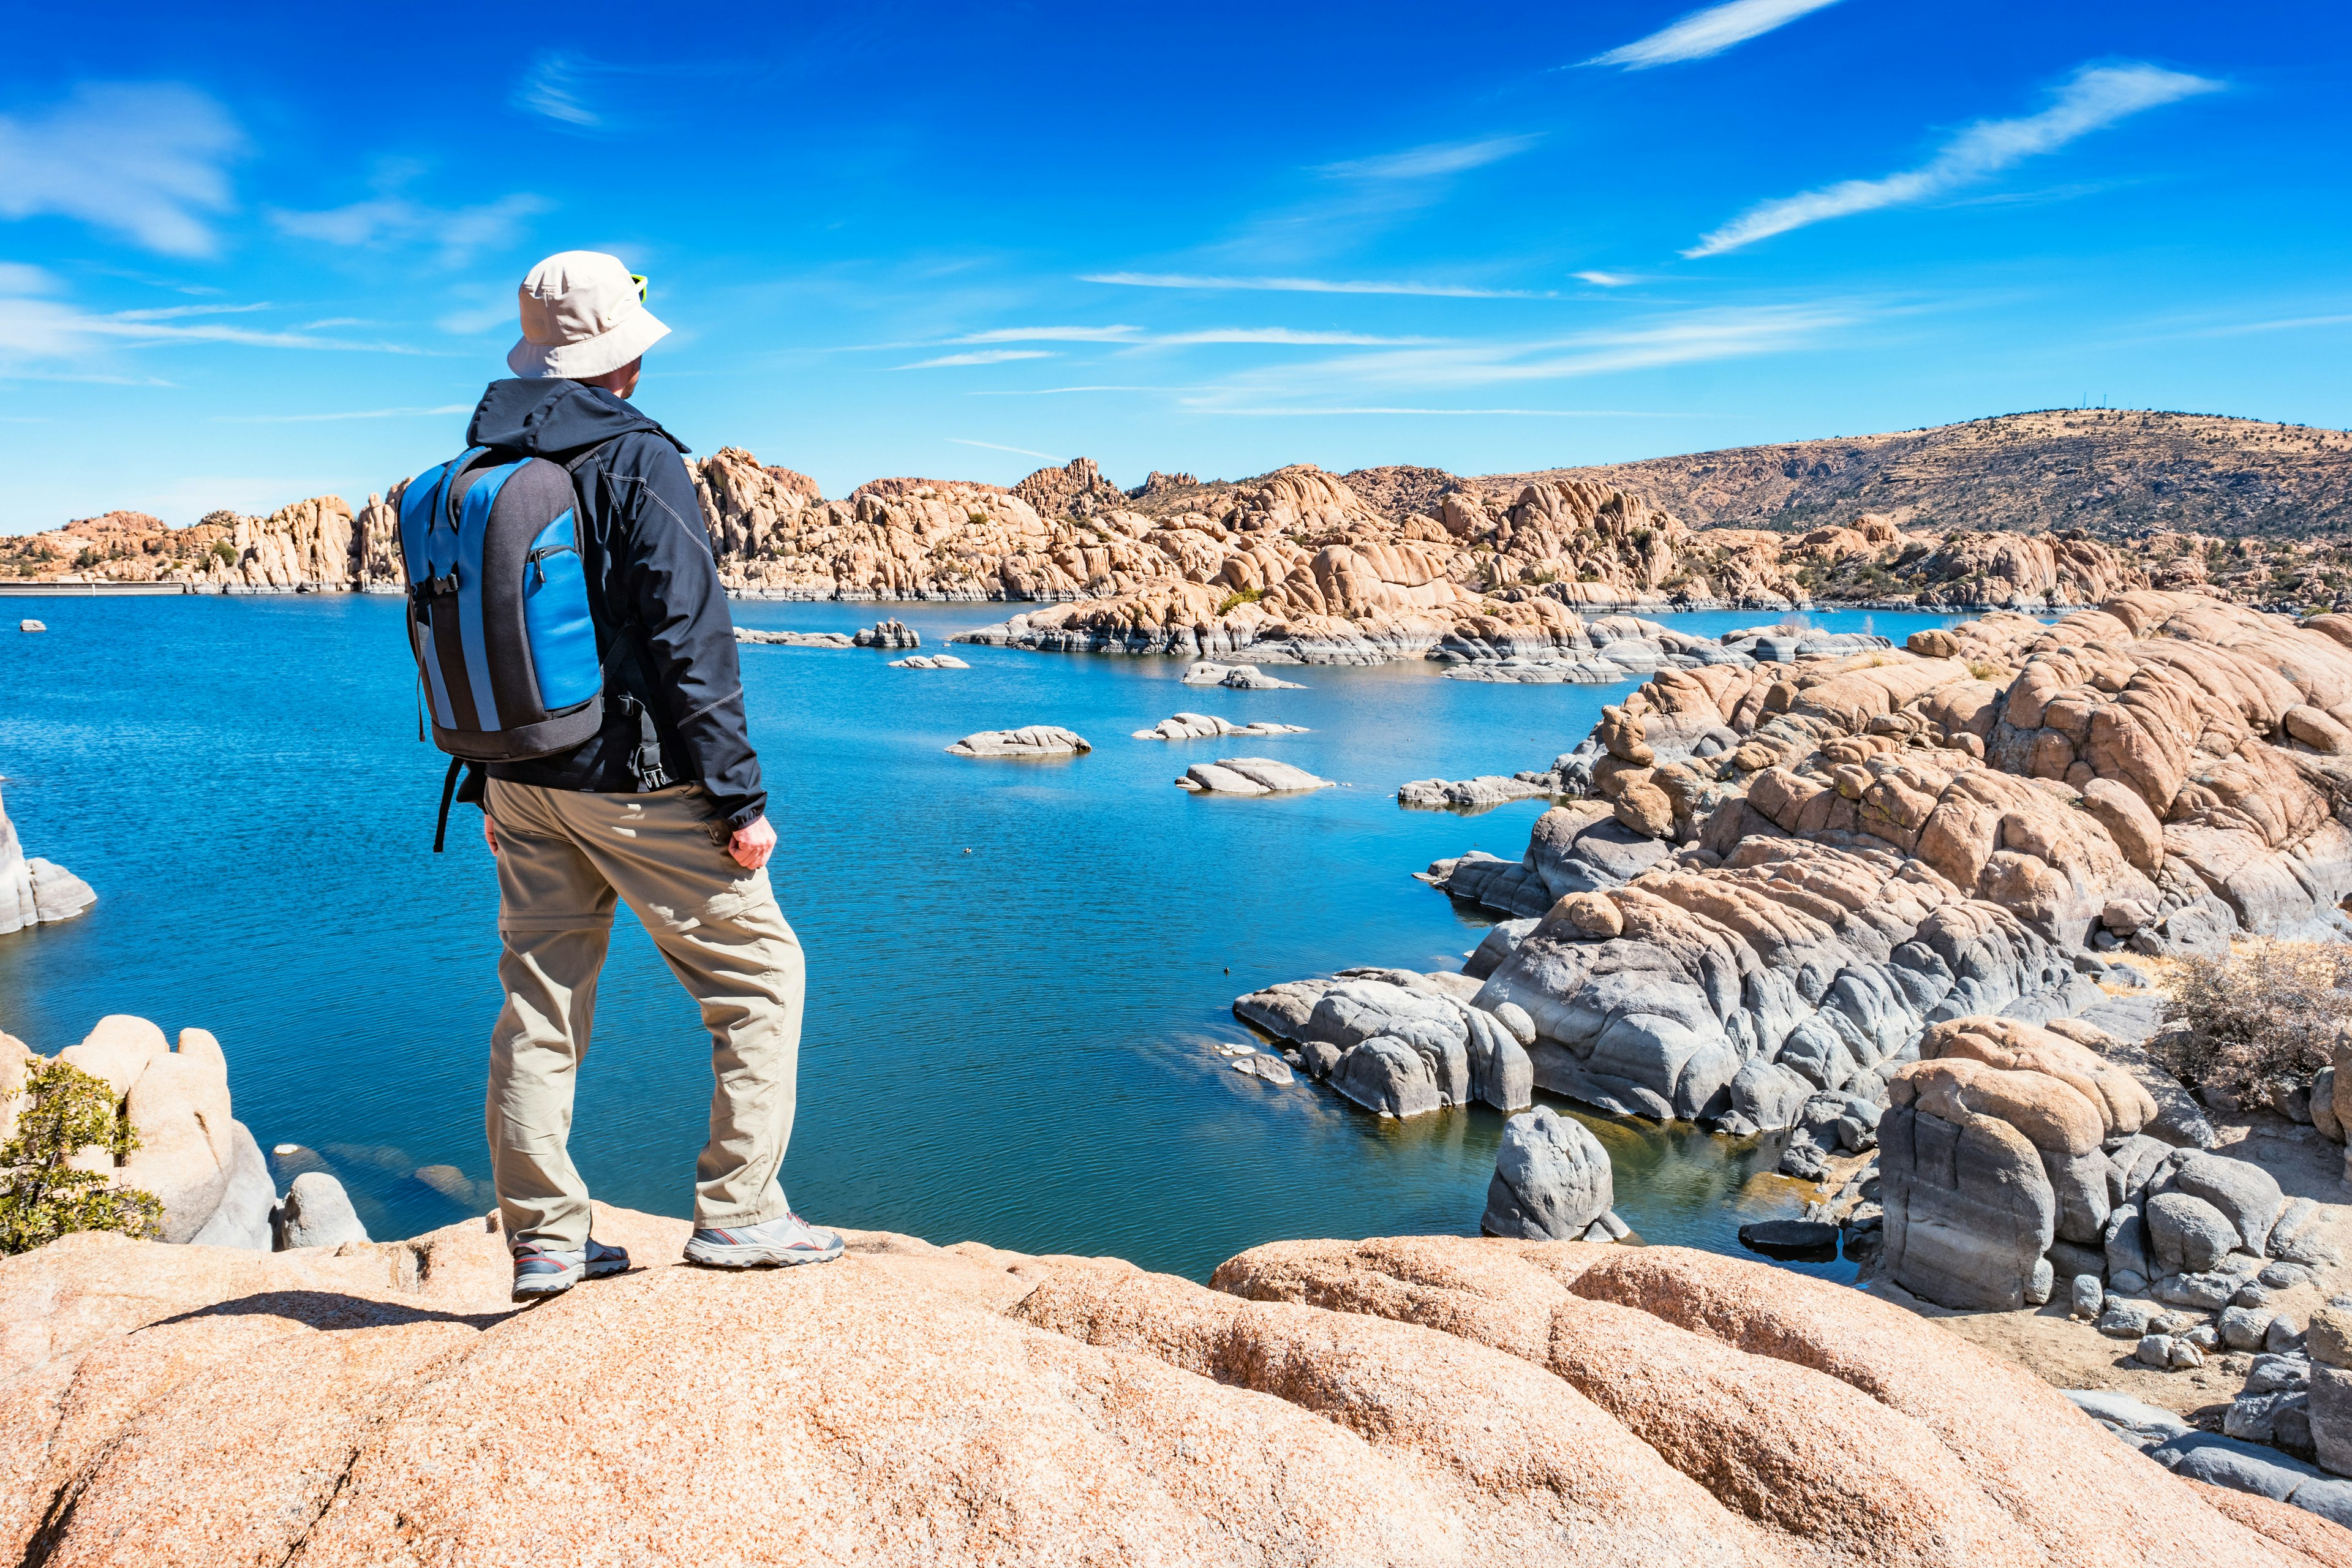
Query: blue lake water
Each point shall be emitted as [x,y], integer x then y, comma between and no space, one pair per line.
[1017,969]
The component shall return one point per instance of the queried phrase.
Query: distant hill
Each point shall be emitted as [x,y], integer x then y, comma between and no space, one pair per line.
[2109,472]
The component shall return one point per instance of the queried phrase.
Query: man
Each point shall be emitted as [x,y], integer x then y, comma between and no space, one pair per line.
[662,810]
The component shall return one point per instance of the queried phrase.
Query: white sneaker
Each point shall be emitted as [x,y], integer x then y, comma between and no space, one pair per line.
[781,1242]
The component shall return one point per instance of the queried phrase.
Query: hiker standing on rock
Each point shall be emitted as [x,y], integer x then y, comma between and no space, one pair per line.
[573,641]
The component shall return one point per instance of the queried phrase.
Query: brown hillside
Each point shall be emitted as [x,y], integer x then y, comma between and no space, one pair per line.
[2111,471]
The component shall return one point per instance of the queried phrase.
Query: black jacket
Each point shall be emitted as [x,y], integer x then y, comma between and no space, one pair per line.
[662,627]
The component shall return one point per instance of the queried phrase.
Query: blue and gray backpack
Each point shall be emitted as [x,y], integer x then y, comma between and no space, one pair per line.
[498,610]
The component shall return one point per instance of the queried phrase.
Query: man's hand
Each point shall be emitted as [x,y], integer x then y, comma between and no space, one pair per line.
[489,833]
[752,844]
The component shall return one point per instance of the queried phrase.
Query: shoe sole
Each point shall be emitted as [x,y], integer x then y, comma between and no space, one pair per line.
[546,1285]
[606,1270]
[758,1257]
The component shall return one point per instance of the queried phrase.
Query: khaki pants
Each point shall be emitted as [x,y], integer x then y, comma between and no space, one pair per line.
[564,859]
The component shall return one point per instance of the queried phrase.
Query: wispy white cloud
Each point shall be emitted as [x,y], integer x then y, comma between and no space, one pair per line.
[148,162]
[24,278]
[1708,31]
[1272,335]
[2095,97]
[1308,285]
[1606,279]
[352,413]
[993,446]
[392,220]
[986,356]
[1058,391]
[55,330]
[555,85]
[173,312]
[1110,335]
[1692,338]
[1426,163]
[1138,337]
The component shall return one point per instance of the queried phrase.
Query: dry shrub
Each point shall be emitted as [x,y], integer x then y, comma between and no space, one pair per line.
[2270,1008]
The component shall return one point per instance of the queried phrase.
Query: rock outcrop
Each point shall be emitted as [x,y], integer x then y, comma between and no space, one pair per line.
[1209,727]
[1415,1402]
[2014,1162]
[202,1164]
[1872,844]
[34,891]
[1249,775]
[192,1154]
[1029,741]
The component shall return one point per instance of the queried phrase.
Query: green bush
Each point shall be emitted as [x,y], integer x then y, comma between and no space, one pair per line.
[65,1111]
[1241,597]
[2270,1008]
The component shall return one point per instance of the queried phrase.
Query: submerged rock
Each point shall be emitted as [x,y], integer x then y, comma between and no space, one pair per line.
[1249,775]
[1239,677]
[1031,741]
[794,639]
[1472,794]
[1209,727]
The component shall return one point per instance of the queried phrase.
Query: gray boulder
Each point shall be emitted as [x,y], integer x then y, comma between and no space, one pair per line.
[1969,1211]
[241,1218]
[2141,1425]
[1496,946]
[1768,1094]
[1501,1075]
[1552,1180]
[317,1213]
[2185,1234]
[2244,1193]
[2089,1296]
[2207,1292]
[2281,1419]
[2126,1319]
[2244,1328]
[2294,1236]
[2331,1418]
[2228,1462]
[1029,741]
[2125,1242]
[1388,1076]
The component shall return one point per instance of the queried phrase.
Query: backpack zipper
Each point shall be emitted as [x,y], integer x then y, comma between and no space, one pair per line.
[536,559]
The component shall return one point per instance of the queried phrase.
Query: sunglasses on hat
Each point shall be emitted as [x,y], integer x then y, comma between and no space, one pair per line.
[639,279]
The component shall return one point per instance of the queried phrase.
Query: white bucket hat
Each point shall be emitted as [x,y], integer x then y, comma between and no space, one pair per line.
[584,314]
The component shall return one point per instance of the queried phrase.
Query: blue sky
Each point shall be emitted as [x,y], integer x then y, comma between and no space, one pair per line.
[249,256]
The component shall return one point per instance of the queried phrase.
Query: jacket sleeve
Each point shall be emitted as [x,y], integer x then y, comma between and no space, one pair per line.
[673,585]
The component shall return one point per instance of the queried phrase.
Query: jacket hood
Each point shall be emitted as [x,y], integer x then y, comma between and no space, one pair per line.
[553,418]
